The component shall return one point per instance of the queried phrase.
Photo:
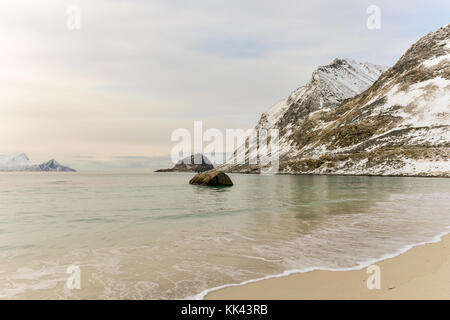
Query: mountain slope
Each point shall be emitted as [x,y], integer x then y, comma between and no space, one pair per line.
[399,126]
[329,86]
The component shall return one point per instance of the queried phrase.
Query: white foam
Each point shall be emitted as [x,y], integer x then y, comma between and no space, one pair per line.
[360,266]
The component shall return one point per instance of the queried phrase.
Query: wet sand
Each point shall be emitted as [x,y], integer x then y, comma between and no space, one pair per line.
[420,273]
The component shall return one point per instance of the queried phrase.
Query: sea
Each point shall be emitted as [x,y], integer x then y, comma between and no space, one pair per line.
[145,235]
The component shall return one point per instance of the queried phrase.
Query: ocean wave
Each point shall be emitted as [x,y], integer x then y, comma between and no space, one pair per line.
[362,265]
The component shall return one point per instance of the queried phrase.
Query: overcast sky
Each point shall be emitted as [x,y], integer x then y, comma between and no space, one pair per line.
[112,92]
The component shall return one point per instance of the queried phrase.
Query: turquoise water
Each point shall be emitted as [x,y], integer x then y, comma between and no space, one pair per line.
[154,236]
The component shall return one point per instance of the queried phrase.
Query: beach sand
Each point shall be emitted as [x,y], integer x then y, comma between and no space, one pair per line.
[420,273]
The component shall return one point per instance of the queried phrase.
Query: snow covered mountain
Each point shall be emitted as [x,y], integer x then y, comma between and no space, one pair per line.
[329,86]
[51,165]
[23,163]
[398,126]
[20,160]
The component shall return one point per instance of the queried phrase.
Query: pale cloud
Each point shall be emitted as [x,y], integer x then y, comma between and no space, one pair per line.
[137,70]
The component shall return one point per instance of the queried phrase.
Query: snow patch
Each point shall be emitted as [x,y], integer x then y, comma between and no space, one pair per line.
[432,62]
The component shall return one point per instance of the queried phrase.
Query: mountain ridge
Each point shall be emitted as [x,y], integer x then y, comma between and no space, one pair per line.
[21,162]
[328,86]
[397,126]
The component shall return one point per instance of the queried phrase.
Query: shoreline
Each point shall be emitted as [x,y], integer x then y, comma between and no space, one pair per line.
[342,174]
[418,271]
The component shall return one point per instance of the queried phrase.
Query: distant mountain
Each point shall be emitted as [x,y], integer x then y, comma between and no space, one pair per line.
[51,165]
[194,163]
[20,160]
[23,163]
[398,126]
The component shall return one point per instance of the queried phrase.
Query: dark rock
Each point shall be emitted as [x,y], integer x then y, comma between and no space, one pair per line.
[211,178]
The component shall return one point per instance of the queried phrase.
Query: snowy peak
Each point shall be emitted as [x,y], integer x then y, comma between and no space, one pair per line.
[329,85]
[399,126]
[429,51]
[345,78]
[17,161]
[360,118]
[415,92]
[21,158]
[51,165]
[21,162]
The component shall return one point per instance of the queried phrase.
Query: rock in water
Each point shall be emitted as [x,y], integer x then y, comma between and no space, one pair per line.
[212,178]
[194,163]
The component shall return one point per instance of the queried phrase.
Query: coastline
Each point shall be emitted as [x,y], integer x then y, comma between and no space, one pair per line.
[421,271]
[344,174]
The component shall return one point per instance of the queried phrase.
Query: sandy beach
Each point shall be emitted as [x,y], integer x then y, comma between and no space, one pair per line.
[420,273]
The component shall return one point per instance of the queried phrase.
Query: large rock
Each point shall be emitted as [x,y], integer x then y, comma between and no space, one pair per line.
[212,178]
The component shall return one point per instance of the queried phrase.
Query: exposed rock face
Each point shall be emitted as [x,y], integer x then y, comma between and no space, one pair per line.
[329,86]
[212,178]
[399,126]
[193,163]
[51,165]
[23,163]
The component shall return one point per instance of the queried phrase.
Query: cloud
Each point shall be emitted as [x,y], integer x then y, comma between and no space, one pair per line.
[137,70]
[235,47]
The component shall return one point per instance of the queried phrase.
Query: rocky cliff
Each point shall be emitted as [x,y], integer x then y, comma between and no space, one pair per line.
[345,122]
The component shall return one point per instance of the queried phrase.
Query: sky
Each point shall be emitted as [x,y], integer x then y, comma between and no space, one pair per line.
[108,95]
